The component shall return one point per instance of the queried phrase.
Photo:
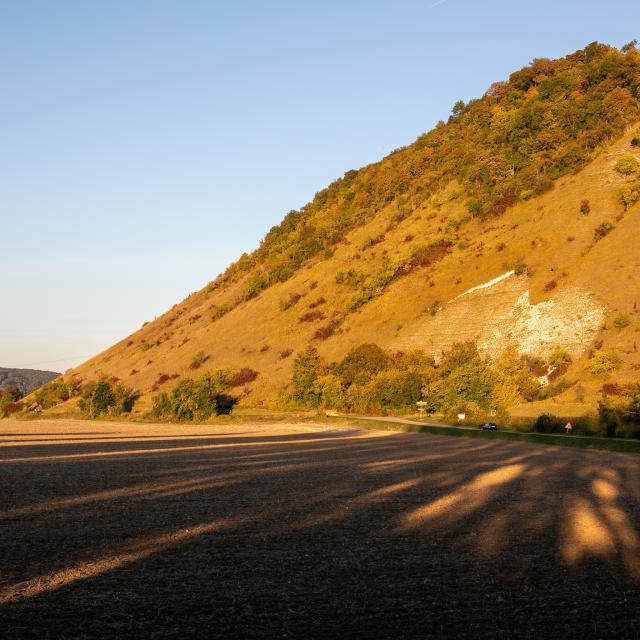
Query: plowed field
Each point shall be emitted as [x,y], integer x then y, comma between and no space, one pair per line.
[296,531]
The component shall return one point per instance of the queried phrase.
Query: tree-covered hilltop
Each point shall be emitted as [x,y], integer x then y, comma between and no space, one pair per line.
[549,119]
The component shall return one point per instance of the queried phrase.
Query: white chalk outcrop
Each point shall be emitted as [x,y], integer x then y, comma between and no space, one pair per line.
[499,313]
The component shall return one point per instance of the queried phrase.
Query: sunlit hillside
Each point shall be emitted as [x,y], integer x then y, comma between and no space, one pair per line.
[534,186]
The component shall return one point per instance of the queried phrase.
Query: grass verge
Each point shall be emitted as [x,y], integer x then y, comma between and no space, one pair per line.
[265,417]
[583,442]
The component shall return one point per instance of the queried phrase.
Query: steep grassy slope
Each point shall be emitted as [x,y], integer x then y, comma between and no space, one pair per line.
[382,253]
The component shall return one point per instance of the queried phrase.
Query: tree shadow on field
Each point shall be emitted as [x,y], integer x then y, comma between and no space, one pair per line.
[318,534]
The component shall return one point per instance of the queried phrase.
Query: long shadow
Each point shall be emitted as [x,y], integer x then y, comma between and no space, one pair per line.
[142,438]
[48,449]
[69,433]
[321,534]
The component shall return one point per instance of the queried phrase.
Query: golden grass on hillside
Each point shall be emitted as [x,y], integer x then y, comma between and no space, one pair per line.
[550,233]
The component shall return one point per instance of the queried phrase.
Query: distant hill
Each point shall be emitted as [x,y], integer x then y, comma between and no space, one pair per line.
[25,379]
[516,224]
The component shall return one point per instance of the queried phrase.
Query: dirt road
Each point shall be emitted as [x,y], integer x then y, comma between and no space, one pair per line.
[257,531]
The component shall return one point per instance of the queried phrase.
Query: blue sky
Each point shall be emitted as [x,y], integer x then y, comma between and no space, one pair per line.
[147,144]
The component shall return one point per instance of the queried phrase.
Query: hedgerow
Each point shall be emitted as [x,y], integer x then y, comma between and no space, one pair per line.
[370,379]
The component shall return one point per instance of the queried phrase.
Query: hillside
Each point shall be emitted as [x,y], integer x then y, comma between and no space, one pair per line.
[513,224]
[25,380]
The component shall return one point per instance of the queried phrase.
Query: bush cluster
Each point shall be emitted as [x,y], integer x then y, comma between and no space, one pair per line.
[370,379]
[560,358]
[602,363]
[198,360]
[103,398]
[197,399]
[371,241]
[289,302]
[218,311]
[621,320]
[548,423]
[630,194]
[619,410]
[325,332]
[243,377]
[627,164]
[311,316]
[10,401]
[603,230]
[55,392]
[520,268]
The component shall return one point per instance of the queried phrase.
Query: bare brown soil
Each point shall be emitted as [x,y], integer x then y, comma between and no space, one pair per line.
[114,530]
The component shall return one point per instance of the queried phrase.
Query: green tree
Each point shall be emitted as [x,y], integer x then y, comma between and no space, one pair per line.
[308,366]
[200,398]
[505,394]
[633,408]
[473,382]
[101,399]
[433,394]
[97,398]
[393,389]
[184,401]
[362,362]
[609,418]
[330,389]
[123,399]
[458,109]
[458,355]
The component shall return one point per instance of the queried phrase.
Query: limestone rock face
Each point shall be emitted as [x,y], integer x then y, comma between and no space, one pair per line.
[499,313]
[25,379]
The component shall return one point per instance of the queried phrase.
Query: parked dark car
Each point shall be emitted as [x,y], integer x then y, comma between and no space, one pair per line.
[489,426]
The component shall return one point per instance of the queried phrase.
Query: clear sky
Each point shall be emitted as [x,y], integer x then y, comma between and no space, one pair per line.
[144,145]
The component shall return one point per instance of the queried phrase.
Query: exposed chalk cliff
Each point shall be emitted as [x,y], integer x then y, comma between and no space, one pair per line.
[499,313]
